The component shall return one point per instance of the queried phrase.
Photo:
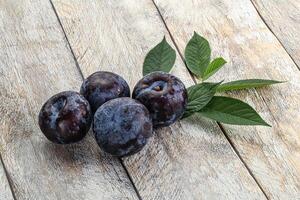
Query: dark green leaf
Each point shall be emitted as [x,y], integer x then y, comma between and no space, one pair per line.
[231,111]
[213,67]
[247,83]
[197,55]
[198,96]
[160,58]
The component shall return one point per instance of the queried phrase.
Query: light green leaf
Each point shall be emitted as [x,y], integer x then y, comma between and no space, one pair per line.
[160,58]
[198,96]
[197,55]
[213,67]
[231,111]
[244,84]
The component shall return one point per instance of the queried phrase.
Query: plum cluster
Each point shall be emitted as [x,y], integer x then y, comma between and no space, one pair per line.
[121,125]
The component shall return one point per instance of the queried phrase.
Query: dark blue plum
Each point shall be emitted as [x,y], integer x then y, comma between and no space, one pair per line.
[102,86]
[164,95]
[65,118]
[122,126]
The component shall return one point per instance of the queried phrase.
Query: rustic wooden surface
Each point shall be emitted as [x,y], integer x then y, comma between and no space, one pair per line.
[47,47]
[35,63]
[237,32]
[283,19]
[5,192]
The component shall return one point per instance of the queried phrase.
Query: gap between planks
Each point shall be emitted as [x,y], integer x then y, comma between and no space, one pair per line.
[82,76]
[8,178]
[267,25]
[67,40]
[219,125]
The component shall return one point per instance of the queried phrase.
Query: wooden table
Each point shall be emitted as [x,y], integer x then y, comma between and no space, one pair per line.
[50,46]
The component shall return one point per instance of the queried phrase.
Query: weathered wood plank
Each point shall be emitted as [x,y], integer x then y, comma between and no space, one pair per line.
[189,160]
[35,63]
[5,192]
[236,32]
[283,18]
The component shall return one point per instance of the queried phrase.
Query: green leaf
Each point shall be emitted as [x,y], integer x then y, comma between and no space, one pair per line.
[213,67]
[197,55]
[247,83]
[198,96]
[231,111]
[160,58]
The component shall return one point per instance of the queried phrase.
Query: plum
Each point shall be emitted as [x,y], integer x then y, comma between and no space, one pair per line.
[164,95]
[103,86]
[122,126]
[65,118]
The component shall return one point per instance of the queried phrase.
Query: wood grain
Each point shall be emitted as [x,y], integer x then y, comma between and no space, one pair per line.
[35,63]
[189,160]
[283,18]
[5,192]
[236,32]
